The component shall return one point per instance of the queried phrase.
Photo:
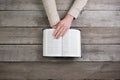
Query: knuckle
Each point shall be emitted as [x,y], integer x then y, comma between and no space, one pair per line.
[61,23]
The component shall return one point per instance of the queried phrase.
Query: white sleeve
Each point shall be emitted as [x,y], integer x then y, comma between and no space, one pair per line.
[51,11]
[77,7]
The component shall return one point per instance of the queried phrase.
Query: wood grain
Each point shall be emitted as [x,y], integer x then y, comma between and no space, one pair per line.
[39,18]
[35,35]
[60,70]
[34,53]
[61,5]
[21,25]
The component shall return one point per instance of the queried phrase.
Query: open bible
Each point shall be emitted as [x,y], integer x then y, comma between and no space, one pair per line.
[67,46]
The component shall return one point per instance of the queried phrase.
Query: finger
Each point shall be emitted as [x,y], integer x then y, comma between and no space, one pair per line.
[54,27]
[56,30]
[64,31]
[59,32]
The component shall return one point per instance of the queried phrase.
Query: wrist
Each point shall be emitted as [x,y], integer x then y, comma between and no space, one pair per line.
[70,17]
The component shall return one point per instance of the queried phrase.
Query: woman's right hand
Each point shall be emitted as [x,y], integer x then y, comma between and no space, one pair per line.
[62,26]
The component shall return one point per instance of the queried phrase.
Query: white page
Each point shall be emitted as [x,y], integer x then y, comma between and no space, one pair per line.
[72,43]
[66,44]
[51,46]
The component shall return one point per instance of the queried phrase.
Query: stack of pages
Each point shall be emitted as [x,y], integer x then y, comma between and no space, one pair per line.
[67,46]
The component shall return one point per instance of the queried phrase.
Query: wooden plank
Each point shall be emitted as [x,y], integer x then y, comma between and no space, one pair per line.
[60,70]
[100,35]
[61,4]
[23,18]
[31,4]
[98,19]
[20,53]
[35,35]
[39,18]
[106,5]
[21,35]
[35,52]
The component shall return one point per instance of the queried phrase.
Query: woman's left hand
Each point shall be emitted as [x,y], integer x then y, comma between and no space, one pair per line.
[62,26]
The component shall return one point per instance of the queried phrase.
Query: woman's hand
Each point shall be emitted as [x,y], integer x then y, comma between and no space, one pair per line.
[62,26]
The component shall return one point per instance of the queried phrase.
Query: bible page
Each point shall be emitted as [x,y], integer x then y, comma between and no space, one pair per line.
[51,46]
[72,43]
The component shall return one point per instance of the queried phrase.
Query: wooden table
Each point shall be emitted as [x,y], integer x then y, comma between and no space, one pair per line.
[21,25]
